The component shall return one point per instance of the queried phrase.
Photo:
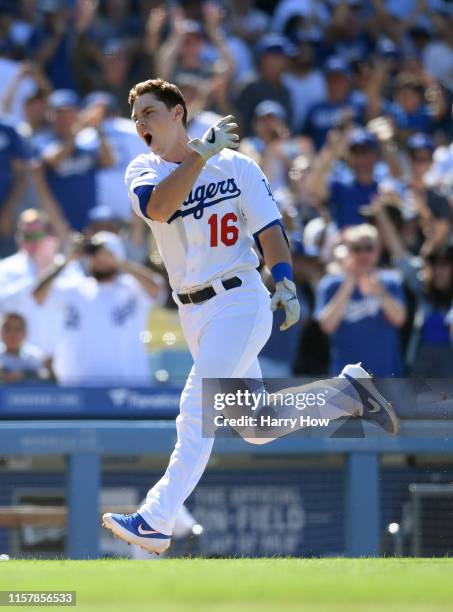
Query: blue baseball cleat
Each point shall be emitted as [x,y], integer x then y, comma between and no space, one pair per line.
[133,529]
[375,407]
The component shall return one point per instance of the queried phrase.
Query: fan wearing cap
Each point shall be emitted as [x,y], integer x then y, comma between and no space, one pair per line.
[344,195]
[104,313]
[271,145]
[103,219]
[423,203]
[68,161]
[343,106]
[273,54]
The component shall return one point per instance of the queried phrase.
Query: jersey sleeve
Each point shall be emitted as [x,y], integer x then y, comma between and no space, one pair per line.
[258,205]
[140,181]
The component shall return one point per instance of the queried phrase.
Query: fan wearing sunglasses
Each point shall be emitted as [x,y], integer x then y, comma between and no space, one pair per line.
[37,246]
[362,308]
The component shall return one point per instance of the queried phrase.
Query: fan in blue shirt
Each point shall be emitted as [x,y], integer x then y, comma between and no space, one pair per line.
[51,44]
[350,191]
[348,33]
[363,308]
[342,107]
[70,156]
[409,111]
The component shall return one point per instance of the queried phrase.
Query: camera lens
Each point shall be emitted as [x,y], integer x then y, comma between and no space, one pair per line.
[90,248]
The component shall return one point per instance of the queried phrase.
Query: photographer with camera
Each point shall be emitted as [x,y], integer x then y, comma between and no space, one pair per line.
[105,313]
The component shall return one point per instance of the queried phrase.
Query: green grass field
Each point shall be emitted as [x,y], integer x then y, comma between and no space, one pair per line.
[242,585]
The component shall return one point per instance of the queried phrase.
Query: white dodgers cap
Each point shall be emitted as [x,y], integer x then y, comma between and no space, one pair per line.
[111,242]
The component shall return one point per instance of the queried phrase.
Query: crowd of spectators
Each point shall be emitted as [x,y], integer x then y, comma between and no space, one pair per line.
[347,107]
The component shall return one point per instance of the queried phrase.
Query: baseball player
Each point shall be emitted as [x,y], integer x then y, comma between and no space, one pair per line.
[206,206]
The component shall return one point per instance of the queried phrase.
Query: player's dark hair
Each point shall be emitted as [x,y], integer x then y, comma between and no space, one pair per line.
[164,91]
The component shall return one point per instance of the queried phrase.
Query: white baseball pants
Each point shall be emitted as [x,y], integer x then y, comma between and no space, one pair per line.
[225,335]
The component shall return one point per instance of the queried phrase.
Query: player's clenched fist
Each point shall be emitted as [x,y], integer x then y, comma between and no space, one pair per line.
[219,136]
[285,297]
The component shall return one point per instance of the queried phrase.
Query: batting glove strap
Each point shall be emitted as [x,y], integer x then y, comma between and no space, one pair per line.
[285,297]
[219,136]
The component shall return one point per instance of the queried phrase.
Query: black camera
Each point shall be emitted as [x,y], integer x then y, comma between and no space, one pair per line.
[91,248]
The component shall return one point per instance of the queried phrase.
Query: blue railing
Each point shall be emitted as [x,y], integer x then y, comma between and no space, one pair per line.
[84,442]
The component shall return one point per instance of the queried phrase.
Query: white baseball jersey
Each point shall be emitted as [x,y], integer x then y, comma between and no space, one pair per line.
[211,235]
[100,340]
[18,277]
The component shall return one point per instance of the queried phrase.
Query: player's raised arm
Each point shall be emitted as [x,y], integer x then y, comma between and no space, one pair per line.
[167,197]
[163,127]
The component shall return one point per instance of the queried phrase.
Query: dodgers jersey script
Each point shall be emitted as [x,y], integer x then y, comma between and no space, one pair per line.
[211,235]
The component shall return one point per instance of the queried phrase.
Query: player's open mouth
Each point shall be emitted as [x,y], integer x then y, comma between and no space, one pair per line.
[148,138]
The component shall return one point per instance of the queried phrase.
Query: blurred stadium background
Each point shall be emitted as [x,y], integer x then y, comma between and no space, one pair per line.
[347,107]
